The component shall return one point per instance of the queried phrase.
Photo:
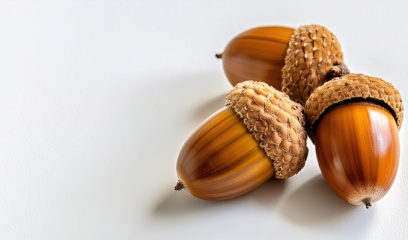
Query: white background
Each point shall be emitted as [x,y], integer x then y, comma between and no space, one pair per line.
[97,98]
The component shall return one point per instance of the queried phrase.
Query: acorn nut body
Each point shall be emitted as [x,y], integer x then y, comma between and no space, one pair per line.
[258,135]
[257,54]
[354,122]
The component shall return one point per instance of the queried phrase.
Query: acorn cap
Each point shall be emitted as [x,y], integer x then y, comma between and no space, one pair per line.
[276,122]
[349,87]
[313,57]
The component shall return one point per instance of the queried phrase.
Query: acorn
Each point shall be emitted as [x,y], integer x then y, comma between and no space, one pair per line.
[257,54]
[259,134]
[354,121]
[313,57]
[295,61]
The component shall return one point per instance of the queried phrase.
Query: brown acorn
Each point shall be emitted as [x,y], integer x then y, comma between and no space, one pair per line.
[295,61]
[313,57]
[260,134]
[354,122]
[257,54]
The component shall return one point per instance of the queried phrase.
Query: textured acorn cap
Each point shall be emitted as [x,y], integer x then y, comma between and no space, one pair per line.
[276,122]
[349,87]
[314,56]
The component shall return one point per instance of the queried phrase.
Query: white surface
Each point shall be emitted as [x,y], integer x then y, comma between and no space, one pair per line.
[97,98]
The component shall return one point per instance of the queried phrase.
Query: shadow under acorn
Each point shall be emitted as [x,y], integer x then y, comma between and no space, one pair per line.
[314,204]
[182,203]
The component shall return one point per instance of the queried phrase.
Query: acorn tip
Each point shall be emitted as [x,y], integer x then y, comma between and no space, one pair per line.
[179,186]
[367,203]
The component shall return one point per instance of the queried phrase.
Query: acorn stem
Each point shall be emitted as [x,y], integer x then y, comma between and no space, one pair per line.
[337,71]
[179,186]
[367,203]
[218,55]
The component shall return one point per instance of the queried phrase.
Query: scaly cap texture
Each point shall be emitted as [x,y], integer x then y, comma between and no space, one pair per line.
[353,86]
[276,122]
[314,56]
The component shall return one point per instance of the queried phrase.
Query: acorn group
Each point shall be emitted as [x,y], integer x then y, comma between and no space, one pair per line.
[290,84]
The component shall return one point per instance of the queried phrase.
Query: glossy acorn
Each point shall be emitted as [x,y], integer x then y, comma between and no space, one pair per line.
[354,121]
[257,54]
[294,60]
[259,134]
